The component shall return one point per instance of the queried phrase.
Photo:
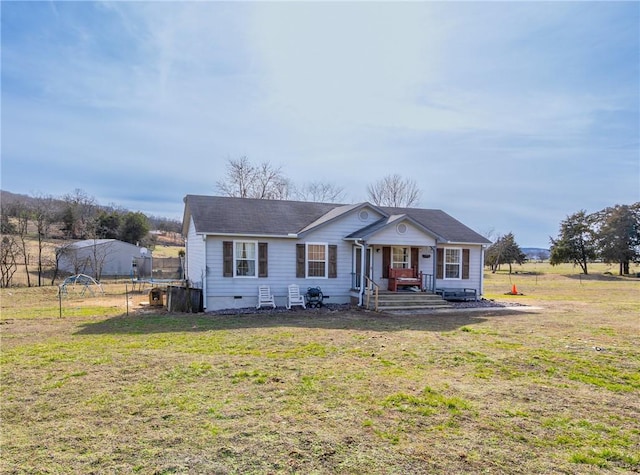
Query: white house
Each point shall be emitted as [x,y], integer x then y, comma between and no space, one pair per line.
[233,245]
[101,257]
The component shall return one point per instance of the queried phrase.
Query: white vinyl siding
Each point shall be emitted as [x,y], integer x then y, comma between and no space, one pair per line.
[475,270]
[195,268]
[241,293]
[413,237]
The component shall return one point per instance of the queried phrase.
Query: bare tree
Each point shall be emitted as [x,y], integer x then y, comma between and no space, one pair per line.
[99,255]
[395,191]
[238,179]
[9,254]
[22,228]
[268,182]
[78,213]
[320,192]
[42,215]
[73,259]
[246,180]
[58,254]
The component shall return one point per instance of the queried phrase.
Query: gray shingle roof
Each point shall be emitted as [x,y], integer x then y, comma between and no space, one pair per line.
[225,215]
[245,216]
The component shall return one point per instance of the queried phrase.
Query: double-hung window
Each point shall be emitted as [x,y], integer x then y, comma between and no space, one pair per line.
[452,263]
[400,258]
[245,256]
[317,262]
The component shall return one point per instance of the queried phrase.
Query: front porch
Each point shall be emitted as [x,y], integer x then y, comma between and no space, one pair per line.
[428,283]
[382,300]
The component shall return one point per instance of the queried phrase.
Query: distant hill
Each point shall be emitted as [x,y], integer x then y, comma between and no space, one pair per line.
[536,253]
[7,199]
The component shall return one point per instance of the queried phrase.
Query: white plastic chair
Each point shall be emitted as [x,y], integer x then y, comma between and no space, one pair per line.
[294,297]
[265,297]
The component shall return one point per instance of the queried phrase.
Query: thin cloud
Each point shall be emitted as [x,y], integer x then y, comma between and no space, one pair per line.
[499,111]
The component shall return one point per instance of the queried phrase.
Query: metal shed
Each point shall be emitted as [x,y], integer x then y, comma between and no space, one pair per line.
[100,257]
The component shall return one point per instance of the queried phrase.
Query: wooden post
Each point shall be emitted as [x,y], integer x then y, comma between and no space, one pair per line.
[189,307]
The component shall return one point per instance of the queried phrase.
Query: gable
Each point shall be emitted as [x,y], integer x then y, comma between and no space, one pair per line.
[399,229]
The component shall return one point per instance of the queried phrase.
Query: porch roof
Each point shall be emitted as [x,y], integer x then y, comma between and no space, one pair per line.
[434,222]
[371,230]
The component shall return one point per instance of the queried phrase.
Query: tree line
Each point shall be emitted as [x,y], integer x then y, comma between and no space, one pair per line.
[611,235]
[76,215]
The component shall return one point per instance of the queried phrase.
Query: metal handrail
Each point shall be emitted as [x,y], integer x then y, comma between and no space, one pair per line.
[371,286]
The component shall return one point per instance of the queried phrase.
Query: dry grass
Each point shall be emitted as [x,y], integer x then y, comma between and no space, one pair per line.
[551,389]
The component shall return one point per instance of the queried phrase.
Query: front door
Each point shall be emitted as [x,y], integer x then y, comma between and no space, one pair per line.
[357,257]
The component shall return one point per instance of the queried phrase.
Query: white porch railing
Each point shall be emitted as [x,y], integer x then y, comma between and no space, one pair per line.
[371,288]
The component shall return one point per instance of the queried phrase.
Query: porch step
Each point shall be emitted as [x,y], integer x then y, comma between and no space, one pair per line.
[388,301]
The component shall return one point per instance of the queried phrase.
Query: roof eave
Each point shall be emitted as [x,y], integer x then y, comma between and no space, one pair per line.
[245,235]
[463,243]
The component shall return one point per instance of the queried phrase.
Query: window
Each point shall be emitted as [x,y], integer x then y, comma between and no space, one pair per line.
[452,263]
[244,258]
[400,258]
[239,259]
[316,260]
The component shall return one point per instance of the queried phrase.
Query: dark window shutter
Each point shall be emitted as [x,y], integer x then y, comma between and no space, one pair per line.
[414,258]
[465,263]
[300,260]
[333,261]
[263,261]
[227,259]
[386,261]
[439,263]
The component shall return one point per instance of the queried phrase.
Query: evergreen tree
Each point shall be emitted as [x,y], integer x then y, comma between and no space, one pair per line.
[107,225]
[504,251]
[618,235]
[576,242]
[134,227]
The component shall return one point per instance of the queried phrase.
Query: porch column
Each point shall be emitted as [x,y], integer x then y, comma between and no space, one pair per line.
[434,253]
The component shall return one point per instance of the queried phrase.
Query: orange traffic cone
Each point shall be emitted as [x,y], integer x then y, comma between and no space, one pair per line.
[514,291]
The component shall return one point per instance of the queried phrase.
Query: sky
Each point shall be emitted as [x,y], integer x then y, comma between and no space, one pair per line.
[509,116]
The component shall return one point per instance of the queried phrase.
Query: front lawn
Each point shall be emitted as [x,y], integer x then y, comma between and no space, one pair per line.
[549,388]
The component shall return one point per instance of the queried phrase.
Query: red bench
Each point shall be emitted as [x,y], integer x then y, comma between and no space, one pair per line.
[404,277]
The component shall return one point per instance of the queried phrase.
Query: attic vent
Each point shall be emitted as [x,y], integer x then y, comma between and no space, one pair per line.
[401,228]
[363,215]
